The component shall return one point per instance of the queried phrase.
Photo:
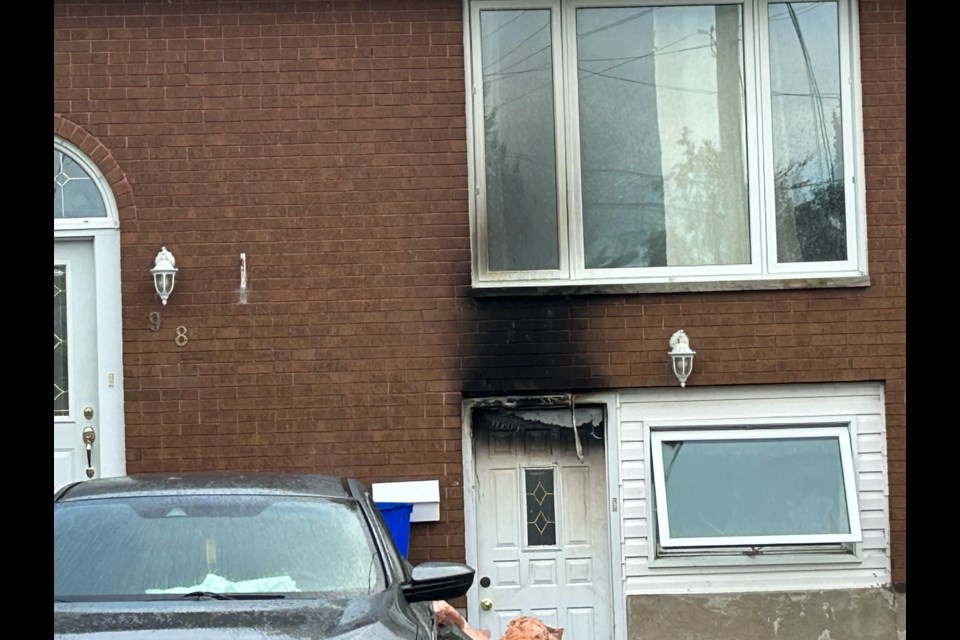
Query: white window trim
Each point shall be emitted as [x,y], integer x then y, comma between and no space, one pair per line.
[557,509]
[849,30]
[110,220]
[763,272]
[738,432]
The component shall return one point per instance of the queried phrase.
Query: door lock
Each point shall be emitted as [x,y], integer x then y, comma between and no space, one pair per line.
[88,412]
[89,436]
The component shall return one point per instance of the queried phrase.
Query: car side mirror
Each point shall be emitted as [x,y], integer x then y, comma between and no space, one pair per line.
[438,581]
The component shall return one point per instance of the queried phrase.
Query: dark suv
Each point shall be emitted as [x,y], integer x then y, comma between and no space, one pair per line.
[236,556]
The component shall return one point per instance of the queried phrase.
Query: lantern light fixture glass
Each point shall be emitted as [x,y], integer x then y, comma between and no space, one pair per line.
[164,273]
[682,356]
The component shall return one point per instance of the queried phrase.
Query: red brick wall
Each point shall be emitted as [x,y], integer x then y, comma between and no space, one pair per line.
[326,140]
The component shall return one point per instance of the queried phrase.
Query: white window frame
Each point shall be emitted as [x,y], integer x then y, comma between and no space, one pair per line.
[763,271]
[562,273]
[842,432]
[557,515]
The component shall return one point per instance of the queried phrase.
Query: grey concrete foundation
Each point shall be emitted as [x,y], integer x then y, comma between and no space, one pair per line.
[902,616]
[856,614]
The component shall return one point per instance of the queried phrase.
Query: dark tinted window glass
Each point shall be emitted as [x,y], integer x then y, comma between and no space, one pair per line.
[541,507]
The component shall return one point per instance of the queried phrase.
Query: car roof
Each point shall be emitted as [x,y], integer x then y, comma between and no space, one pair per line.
[214,482]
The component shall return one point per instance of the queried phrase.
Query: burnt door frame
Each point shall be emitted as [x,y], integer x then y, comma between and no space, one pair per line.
[613,499]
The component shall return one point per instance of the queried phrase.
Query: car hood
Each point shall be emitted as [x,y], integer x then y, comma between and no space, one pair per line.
[376,617]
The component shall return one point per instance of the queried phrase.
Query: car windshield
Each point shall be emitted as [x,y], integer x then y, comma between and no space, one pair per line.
[167,546]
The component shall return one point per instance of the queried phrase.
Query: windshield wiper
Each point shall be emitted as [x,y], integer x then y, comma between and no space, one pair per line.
[207,594]
[212,595]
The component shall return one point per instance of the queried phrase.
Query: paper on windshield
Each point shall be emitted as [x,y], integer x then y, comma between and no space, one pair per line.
[218,584]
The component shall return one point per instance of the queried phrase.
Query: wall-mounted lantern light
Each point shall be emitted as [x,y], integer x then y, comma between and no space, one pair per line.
[682,356]
[164,272]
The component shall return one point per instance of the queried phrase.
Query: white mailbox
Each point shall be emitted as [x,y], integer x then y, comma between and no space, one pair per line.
[424,495]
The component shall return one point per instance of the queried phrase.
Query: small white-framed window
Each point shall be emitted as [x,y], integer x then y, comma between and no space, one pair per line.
[754,487]
[630,141]
[540,506]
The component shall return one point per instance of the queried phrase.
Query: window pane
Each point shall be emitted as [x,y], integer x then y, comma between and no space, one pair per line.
[776,486]
[541,508]
[61,383]
[75,195]
[807,132]
[518,120]
[662,140]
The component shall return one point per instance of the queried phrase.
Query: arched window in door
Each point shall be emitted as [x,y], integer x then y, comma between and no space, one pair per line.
[81,196]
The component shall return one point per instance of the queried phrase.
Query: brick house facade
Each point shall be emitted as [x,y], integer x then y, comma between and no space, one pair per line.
[328,142]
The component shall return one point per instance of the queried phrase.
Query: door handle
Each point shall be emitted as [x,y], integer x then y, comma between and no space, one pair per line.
[486,604]
[89,436]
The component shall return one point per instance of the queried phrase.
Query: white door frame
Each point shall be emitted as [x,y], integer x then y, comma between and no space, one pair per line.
[611,435]
[104,233]
[111,432]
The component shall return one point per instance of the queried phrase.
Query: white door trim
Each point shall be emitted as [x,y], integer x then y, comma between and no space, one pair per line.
[612,461]
[111,431]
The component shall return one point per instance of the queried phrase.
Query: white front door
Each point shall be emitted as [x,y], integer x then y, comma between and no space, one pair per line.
[542,537]
[75,373]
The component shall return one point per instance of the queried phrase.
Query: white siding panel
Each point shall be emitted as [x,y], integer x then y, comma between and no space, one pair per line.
[874,543]
[632,469]
[635,548]
[635,528]
[873,503]
[874,539]
[679,408]
[634,510]
[869,443]
[872,463]
[871,424]
[876,559]
[633,489]
[871,481]
[874,520]
[800,581]
[632,450]
[859,403]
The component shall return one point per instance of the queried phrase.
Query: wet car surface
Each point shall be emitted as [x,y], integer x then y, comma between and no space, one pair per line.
[236,556]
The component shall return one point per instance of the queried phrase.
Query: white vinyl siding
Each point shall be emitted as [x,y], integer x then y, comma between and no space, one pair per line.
[860,404]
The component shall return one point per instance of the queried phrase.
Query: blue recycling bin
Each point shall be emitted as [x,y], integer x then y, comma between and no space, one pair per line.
[397,517]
